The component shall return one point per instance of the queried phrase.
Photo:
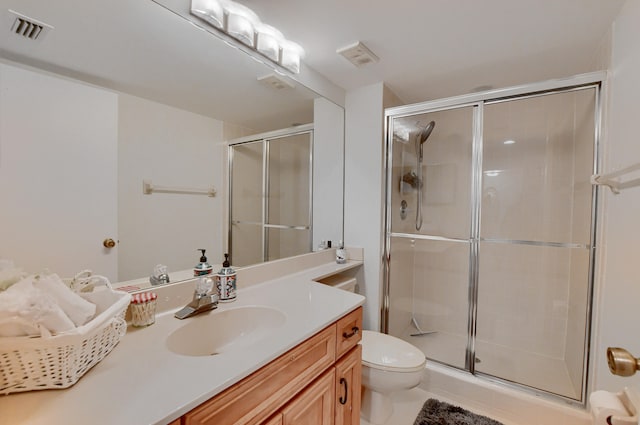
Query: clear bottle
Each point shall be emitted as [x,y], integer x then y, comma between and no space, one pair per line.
[341,254]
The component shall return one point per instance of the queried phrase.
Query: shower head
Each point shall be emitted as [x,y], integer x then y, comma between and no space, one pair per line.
[426,132]
[422,137]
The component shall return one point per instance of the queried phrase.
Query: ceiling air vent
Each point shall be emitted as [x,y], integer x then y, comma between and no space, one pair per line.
[276,82]
[29,28]
[358,54]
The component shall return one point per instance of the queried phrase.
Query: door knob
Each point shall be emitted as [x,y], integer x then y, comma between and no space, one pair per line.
[109,243]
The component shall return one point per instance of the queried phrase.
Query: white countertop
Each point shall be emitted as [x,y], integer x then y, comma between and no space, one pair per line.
[142,382]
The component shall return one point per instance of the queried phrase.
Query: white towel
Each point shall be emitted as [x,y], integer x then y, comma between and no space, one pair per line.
[9,274]
[23,304]
[79,310]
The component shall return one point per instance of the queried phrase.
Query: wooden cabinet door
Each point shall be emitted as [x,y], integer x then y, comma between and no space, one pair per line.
[276,420]
[348,382]
[254,399]
[315,405]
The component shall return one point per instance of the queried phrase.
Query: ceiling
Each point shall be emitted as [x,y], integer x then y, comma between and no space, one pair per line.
[428,49]
[431,49]
[142,48]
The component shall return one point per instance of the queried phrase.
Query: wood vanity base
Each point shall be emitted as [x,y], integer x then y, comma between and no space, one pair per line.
[315,383]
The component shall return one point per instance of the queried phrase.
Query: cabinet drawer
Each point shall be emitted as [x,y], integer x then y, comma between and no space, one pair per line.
[259,395]
[348,332]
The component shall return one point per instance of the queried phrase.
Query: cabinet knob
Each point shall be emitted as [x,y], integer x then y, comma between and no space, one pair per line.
[109,243]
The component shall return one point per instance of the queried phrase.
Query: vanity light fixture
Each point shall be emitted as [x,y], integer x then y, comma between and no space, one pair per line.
[268,41]
[242,24]
[509,142]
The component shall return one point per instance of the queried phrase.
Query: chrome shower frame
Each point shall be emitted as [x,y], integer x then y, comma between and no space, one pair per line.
[594,80]
[265,139]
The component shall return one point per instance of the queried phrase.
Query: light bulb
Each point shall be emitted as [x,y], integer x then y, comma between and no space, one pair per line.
[209,10]
[290,56]
[241,23]
[268,40]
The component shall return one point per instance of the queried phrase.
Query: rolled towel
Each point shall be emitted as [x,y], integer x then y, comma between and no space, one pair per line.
[79,310]
[23,303]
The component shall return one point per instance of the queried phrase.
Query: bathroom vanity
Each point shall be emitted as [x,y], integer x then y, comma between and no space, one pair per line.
[313,383]
[285,352]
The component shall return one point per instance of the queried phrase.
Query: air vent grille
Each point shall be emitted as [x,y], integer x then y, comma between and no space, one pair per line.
[276,82]
[358,54]
[28,28]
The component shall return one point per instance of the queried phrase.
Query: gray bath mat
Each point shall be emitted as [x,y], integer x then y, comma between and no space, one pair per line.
[435,412]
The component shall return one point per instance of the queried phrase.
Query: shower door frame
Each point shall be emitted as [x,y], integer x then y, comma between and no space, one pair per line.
[265,139]
[595,80]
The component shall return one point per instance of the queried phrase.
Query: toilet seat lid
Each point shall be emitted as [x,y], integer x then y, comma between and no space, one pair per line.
[386,352]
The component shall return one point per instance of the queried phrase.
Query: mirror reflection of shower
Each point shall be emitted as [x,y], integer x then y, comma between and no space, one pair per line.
[420,139]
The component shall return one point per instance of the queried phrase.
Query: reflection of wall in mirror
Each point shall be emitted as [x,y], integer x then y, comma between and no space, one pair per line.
[59,179]
[171,147]
[57,173]
[328,171]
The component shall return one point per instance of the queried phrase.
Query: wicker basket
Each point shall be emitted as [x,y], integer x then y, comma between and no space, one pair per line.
[38,363]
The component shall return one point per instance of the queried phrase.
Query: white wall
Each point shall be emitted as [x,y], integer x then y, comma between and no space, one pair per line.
[57,173]
[363,192]
[170,147]
[364,188]
[619,281]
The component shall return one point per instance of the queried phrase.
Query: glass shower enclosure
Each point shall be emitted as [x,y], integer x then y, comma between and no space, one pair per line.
[492,271]
[270,185]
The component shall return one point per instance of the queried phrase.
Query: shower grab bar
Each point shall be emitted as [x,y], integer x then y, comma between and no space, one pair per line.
[612,181]
[148,188]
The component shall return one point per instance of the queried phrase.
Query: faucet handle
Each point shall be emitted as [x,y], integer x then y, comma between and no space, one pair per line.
[204,286]
[215,297]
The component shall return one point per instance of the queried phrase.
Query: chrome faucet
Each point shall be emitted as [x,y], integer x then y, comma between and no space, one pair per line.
[205,298]
[159,280]
[159,276]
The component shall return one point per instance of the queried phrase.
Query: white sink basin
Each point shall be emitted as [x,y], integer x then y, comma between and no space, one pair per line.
[220,332]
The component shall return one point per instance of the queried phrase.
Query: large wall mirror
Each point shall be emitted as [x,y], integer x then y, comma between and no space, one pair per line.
[121,93]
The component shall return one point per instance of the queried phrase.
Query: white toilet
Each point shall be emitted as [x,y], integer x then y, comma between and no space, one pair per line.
[389,364]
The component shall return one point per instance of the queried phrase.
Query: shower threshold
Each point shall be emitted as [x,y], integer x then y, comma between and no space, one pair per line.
[527,368]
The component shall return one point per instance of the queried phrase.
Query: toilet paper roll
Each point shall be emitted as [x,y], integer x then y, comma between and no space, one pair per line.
[604,404]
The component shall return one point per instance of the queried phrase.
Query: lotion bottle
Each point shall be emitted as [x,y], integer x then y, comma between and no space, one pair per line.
[226,281]
[202,268]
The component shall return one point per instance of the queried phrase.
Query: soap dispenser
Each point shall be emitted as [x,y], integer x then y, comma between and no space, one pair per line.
[226,281]
[202,268]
